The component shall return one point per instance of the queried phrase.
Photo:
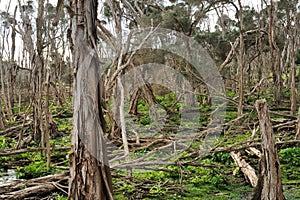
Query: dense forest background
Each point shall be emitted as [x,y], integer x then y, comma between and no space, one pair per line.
[46,48]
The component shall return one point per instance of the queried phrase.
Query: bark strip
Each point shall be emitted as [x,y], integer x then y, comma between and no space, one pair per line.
[269,185]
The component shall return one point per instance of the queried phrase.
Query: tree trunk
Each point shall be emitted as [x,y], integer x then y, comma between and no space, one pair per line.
[269,183]
[89,170]
[134,102]
[292,40]
[272,45]
[2,120]
[241,62]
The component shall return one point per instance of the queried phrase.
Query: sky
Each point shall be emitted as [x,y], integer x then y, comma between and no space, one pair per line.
[4,4]
[212,16]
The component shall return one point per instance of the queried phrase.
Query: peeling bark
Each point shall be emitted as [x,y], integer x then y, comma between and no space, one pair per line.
[269,183]
[89,170]
[246,168]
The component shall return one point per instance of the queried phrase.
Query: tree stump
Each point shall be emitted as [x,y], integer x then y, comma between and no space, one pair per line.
[269,185]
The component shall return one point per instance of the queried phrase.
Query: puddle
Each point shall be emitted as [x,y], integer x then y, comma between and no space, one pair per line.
[8,177]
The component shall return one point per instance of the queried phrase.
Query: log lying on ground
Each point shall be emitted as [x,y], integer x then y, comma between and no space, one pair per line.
[297,136]
[20,151]
[29,192]
[248,171]
[9,131]
[33,187]
[269,185]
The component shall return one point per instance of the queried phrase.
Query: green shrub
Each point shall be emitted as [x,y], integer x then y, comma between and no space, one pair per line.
[290,156]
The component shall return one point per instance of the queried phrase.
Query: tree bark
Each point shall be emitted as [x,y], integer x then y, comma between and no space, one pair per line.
[89,170]
[241,62]
[134,101]
[292,39]
[269,185]
[246,168]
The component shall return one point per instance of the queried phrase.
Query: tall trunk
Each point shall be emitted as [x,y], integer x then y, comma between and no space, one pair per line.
[4,81]
[41,125]
[292,40]
[2,120]
[11,65]
[123,125]
[241,63]
[271,45]
[292,76]
[89,170]
[269,185]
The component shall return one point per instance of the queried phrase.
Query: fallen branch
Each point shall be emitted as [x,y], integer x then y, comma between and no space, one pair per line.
[278,126]
[15,186]
[246,168]
[297,136]
[30,192]
[234,46]
[19,151]
[10,130]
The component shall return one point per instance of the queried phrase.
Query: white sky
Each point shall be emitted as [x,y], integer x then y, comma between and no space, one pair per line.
[212,16]
[4,4]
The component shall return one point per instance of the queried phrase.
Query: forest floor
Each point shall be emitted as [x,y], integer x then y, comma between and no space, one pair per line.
[213,176]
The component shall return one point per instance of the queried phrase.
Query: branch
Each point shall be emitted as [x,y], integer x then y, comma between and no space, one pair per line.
[235,45]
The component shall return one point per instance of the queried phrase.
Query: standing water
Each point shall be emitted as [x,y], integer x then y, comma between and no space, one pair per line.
[8,177]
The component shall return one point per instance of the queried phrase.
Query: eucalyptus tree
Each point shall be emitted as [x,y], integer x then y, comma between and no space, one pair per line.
[292,26]
[8,68]
[89,170]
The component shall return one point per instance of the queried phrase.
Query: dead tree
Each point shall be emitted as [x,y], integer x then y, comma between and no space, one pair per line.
[90,174]
[269,185]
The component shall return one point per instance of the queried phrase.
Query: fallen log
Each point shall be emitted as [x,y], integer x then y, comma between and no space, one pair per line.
[297,136]
[9,131]
[19,151]
[29,192]
[17,186]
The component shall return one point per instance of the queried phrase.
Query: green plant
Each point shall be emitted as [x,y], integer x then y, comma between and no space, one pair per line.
[290,156]
[222,157]
[145,119]
[33,170]
[58,196]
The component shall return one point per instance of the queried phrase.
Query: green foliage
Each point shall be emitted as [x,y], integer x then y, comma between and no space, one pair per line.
[58,196]
[37,167]
[230,94]
[58,109]
[196,183]
[222,157]
[33,170]
[290,156]
[290,163]
[3,142]
[168,100]
[145,119]
[64,124]
[205,108]
[142,106]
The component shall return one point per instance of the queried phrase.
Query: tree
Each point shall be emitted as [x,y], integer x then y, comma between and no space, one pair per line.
[269,183]
[90,175]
